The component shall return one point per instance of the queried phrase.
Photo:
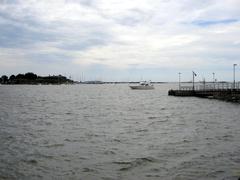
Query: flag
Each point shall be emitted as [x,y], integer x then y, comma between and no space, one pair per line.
[194,74]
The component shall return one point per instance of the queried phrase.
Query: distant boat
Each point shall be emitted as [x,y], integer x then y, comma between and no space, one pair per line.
[144,85]
[92,82]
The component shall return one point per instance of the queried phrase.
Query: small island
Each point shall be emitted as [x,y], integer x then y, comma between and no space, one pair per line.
[31,78]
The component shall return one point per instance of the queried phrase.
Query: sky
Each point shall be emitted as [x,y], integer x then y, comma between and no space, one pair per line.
[121,40]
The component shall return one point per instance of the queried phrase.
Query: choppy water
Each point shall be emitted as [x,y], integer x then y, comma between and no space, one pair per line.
[112,132]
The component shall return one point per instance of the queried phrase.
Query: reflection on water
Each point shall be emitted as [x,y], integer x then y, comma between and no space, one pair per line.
[112,132]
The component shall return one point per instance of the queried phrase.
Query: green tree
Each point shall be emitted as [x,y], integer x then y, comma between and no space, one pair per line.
[20,76]
[30,76]
[4,79]
[12,78]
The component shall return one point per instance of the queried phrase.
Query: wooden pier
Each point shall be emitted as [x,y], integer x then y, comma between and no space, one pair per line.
[222,91]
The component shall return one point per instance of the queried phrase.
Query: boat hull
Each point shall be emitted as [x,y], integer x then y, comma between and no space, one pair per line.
[141,87]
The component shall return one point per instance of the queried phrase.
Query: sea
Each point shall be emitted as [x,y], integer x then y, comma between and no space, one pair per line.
[110,132]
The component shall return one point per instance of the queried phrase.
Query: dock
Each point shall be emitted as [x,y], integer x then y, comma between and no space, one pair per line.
[222,91]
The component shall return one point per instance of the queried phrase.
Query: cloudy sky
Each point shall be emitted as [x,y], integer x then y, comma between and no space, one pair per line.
[121,40]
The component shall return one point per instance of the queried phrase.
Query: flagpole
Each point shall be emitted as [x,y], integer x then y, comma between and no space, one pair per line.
[234,75]
[193,81]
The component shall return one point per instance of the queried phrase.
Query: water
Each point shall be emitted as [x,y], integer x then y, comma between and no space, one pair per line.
[112,132]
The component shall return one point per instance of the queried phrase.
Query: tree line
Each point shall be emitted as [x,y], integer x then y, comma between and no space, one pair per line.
[31,78]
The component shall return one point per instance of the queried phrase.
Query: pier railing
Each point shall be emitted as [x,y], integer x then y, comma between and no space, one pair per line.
[212,86]
[218,90]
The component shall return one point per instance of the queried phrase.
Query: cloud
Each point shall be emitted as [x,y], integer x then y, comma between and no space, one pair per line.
[214,22]
[119,35]
[15,35]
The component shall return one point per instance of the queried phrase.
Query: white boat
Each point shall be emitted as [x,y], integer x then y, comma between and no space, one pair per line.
[144,85]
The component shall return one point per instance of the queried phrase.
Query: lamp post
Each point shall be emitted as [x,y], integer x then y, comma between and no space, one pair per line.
[179,80]
[213,80]
[194,74]
[204,84]
[234,65]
